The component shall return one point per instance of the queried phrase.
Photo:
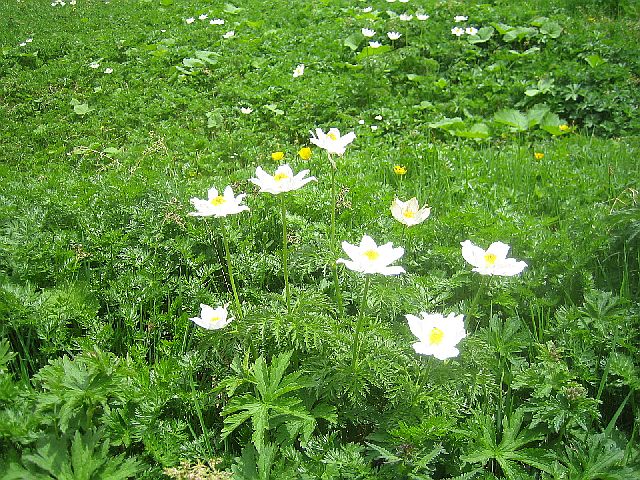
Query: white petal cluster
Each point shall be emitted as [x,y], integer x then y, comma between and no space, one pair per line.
[283,180]
[438,334]
[409,213]
[394,35]
[298,71]
[367,32]
[371,258]
[331,141]
[212,318]
[492,261]
[218,205]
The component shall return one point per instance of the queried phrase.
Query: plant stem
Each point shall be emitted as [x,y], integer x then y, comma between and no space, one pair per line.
[225,241]
[285,266]
[356,334]
[196,403]
[334,267]
[476,299]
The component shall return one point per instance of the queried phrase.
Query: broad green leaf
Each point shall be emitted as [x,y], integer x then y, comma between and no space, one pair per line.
[82,109]
[551,123]
[551,29]
[483,35]
[455,123]
[232,9]
[513,118]
[477,131]
[353,41]
[192,62]
[536,114]
[519,33]
[595,60]
[370,52]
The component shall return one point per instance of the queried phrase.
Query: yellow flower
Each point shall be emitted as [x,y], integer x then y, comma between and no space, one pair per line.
[399,169]
[277,156]
[305,153]
[538,155]
[564,127]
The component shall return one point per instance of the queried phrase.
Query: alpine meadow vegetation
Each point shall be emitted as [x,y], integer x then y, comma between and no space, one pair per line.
[338,239]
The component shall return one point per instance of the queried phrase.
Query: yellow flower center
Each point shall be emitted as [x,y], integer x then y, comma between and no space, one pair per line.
[436,336]
[332,136]
[371,255]
[409,214]
[214,319]
[490,258]
[280,176]
[217,201]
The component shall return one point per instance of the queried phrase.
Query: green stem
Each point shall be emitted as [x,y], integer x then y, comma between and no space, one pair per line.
[285,267]
[225,241]
[334,268]
[471,313]
[356,335]
[196,403]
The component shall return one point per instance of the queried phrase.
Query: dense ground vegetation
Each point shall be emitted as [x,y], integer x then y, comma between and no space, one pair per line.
[521,129]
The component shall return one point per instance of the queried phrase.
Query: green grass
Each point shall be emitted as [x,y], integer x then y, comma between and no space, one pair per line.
[101,267]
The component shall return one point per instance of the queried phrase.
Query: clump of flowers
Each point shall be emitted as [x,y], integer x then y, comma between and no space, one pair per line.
[218,205]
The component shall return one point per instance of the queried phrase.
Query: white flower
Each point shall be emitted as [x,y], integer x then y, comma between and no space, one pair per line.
[405,17]
[72,2]
[393,35]
[218,205]
[367,9]
[29,40]
[438,335]
[375,44]
[190,20]
[409,213]
[361,122]
[212,319]
[390,1]
[108,71]
[331,141]
[246,110]
[403,1]
[493,261]
[23,44]
[367,32]
[460,18]
[374,128]
[94,65]
[370,258]
[422,17]
[298,71]
[216,21]
[204,16]
[471,31]
[283,180]
[229,34]
[457,31]
[378,117]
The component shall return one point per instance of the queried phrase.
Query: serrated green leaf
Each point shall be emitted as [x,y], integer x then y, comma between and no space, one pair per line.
[513,118]
[370,52]
[353,41]
[82,109]
[483,35]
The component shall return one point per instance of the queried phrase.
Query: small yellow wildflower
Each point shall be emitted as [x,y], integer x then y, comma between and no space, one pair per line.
[564,127]
[305,153]
[399,169]
[277,156]
[538,155]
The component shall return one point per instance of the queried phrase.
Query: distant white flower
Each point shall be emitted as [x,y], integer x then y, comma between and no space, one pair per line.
[367,32]
[370,258]
[403,1]
[246,110]
[72,2]
[23,44]
[204,16]
[460,18]
[94,65]
[218,205]
[438,334]
[409,213]
[493,261]
[108,71]
[390,1]
[29,40]
[190,20]
[216,21]
[471,31]
[374,128]
[283,180]
[163,31]
[331,141]
[298,71]
[212,319]
[375,44]
[229,34]
[422,17]
[378,117]
[393,35]
[457,31]
[367,9]
[361,122]
[405,17]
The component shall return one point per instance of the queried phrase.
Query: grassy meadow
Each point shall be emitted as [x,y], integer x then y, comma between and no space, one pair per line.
[515,122]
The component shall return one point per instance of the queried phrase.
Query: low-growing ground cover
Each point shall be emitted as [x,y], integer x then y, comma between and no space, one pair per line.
[325,354]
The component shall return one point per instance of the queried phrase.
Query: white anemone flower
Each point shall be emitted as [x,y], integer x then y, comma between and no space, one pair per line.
[204,16]
[460,18]
[471,31]
[492,261]
[394,35]
[422,17]
[370,258]
[298,71]
[457,31]
[409,213]
[438,334]
[367,32]
[229,34]
[283,180]
[216,21]
[331,141]
[367,9]
[405,17]
[212,318]
[108,71]
[246,110]
[375,44]
[190,20]
[218,205]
